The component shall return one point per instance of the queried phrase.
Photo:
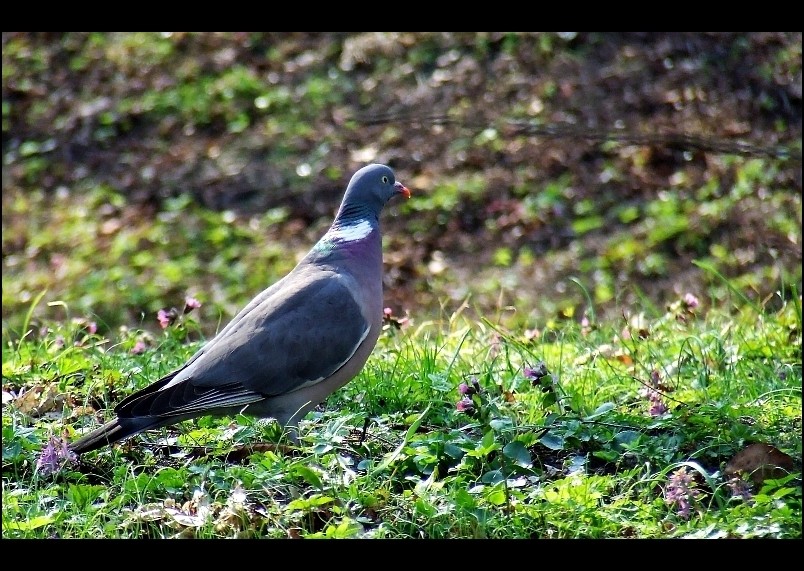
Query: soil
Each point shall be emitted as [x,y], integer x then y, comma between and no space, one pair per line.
[615,119]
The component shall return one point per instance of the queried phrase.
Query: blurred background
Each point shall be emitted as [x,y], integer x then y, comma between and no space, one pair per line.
[554,175]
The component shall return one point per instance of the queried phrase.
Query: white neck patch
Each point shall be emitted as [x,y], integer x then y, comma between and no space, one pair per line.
[351,232]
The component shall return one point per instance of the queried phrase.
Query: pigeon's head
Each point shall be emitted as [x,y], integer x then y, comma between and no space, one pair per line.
[371,187]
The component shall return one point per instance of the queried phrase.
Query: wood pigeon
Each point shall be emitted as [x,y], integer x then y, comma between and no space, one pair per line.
[294,344]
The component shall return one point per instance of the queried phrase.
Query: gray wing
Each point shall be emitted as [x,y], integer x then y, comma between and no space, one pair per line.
[298,336]
[293,336]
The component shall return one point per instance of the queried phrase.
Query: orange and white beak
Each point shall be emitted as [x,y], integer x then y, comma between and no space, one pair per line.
[402,189]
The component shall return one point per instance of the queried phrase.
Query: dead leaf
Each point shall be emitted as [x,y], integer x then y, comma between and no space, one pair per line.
[761,462]
[40,400]
[623,358]
[79,411]
[607,351]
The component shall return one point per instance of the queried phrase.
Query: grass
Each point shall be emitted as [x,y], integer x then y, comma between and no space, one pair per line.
[556,438]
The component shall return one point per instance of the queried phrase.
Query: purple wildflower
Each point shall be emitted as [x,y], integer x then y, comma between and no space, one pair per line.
[531,334]
[690,301]
[586,326]
[535,374]
[467,389]
[89,326]
[191,303]
[392,321]
[163,318]
[139,347]
[656,399]
[166,317]
[657,405]
[54,456]
[740,488]
[682,491]
[465,405]
[540,376]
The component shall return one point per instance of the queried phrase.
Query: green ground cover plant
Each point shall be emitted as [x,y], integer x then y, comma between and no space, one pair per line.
[455,428]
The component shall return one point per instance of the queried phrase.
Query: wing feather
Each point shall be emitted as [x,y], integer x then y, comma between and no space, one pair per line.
[295,337]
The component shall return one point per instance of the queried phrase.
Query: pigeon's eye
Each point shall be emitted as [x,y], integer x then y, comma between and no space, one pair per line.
[385,180]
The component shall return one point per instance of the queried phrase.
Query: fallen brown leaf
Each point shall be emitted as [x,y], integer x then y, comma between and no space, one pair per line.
[761,462]
[40,400]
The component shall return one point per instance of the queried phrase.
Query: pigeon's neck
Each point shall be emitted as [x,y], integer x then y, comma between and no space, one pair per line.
[349,233]
[354,230]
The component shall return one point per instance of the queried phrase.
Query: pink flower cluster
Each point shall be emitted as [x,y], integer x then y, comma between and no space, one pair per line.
[168,317]
[466,390]
[682,491]
[54,456]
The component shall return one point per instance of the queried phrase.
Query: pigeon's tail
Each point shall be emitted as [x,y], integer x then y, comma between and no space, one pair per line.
[113,431]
